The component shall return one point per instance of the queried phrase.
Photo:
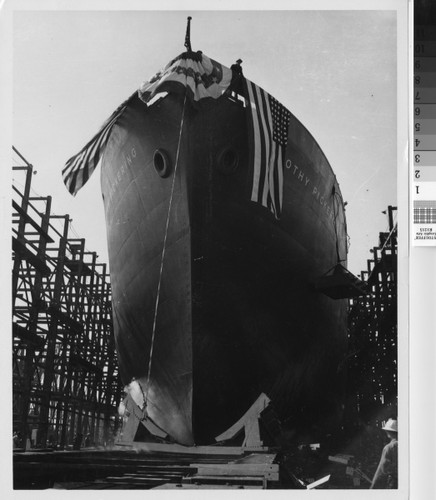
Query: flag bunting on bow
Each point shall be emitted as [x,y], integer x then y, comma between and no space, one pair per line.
[79,168]
[193,72]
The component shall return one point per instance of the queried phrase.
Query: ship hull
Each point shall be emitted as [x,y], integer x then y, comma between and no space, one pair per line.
[237,311]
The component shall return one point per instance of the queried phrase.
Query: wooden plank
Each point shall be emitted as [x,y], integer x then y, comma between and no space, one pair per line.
[164,467]
[257,449]
[341,458]
[126,479]
[256,458]
[74,485]
[122,486]
[317,483]
[144,476]
[129,480]
[252,433]
[186,450]
[265,470]
[178,486]
[271,476]
[223,479]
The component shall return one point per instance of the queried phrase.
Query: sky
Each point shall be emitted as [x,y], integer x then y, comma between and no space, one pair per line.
[335,70]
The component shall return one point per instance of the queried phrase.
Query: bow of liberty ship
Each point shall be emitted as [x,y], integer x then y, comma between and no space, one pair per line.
[213,268]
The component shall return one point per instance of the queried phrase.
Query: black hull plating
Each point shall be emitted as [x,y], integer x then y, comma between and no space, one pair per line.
[238,314]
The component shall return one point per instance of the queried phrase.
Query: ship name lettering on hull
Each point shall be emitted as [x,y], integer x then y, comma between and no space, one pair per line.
[299,173]
[122,170]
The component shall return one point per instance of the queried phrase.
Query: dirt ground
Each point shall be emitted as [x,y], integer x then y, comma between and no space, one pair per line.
[351,460]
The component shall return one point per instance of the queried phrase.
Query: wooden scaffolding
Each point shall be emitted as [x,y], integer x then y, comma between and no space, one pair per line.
[65,372]
[372,363]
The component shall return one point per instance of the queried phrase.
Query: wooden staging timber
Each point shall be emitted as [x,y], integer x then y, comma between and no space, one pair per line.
[247,428]
[233,467]
[237,451]
[248,465]
[253,471]
[132,469]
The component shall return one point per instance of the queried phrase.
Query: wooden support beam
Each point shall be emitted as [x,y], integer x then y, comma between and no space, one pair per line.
[249,423]
[36,262]
[28,219]
[267,471]
[51,339]
[28,337]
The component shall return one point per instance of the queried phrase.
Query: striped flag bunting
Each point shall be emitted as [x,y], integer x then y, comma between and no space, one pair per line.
[79,168]
[193,72]
[268,138]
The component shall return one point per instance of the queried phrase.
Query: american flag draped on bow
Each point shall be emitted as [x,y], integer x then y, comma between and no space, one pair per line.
[79,168]
[268,139]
